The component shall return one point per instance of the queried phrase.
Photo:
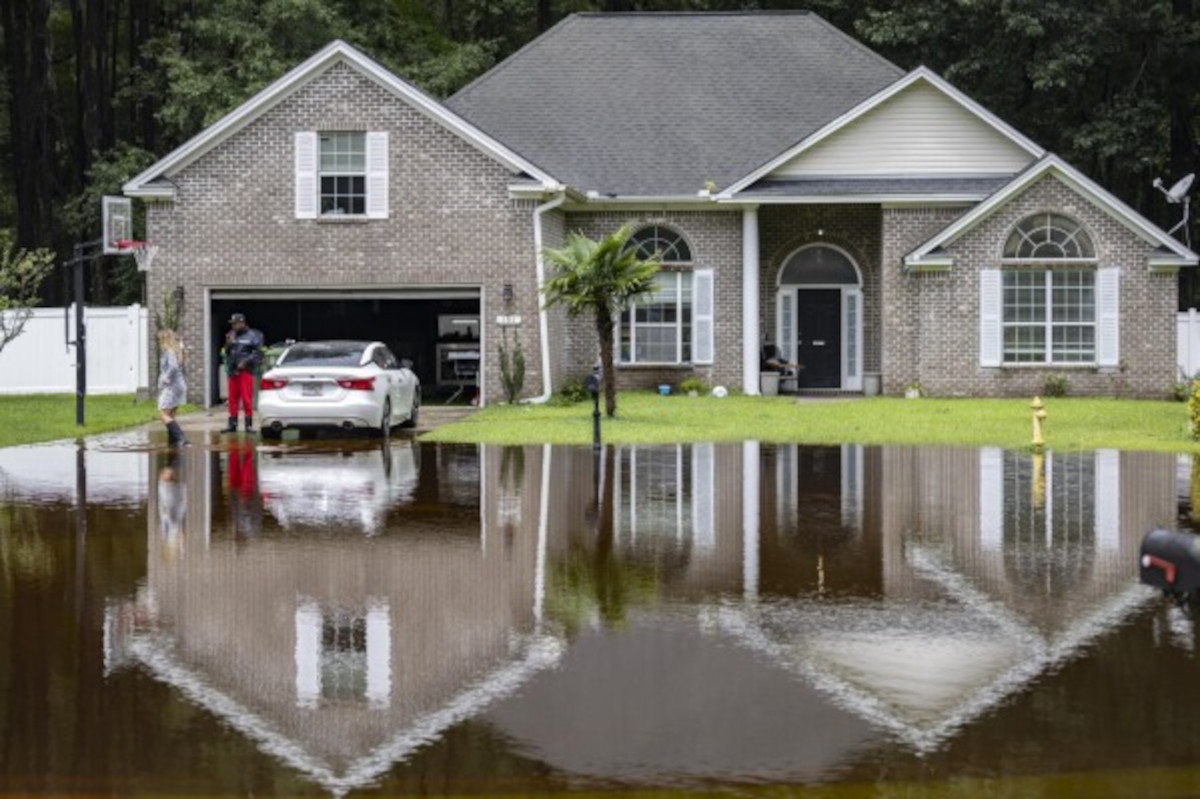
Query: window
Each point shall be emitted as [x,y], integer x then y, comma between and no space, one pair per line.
[1049,316]
[657,328]
[343,172]
[1048,236]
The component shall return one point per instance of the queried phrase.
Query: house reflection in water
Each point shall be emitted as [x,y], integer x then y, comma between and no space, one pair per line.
[338,648]
[904,590]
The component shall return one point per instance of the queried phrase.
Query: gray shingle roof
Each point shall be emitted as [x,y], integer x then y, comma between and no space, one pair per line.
[657,104]
[979,187]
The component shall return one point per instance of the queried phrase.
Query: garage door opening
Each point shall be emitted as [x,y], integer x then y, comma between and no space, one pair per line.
[441,336]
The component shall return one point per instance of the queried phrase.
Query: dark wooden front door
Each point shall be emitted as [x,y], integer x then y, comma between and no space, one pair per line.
[819,337]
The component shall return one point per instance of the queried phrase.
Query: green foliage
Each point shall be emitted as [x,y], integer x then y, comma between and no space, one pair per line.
[598,278]
[693,384]
[1193,408]
[1055,385]
[1179,391]
[572,391]
[646,418]
[512,367]
[21,275]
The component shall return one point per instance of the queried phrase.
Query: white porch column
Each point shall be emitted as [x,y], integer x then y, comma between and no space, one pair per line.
[750,321]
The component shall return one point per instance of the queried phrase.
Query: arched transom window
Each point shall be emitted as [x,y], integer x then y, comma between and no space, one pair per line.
[657,328]
[1048,236]
[661,243]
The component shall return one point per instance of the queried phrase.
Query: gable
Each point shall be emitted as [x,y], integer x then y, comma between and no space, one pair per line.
[918,131]
[150,183]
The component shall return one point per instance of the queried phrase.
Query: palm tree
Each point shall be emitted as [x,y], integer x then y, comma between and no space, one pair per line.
[600,278]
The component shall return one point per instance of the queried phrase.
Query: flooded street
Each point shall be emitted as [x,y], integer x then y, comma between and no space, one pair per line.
[349,618]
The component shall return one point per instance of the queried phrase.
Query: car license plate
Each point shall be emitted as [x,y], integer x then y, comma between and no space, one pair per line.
[311,390]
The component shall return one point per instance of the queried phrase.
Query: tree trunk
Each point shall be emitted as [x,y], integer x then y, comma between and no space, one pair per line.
[604,329]
[33,127]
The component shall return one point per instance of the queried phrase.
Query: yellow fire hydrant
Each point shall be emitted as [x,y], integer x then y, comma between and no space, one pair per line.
[1039,416]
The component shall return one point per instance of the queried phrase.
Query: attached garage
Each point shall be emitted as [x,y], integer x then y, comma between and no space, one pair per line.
[437,329]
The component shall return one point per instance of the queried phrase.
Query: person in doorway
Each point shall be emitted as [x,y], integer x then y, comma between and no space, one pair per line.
[770,360]
[243,355]
[172,388]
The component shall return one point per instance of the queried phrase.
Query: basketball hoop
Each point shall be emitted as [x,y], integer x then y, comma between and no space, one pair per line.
[143,252]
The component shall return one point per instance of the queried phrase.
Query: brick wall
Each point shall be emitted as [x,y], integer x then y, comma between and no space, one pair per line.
[451,220]
[716,241]
[932,321]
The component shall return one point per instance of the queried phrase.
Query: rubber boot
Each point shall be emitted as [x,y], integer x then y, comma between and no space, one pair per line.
[175,435]
[232,427]
[249,423]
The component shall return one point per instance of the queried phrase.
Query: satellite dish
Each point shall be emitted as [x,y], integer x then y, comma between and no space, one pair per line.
[1177,192]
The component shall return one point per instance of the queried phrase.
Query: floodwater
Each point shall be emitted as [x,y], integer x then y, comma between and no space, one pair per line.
[336,618]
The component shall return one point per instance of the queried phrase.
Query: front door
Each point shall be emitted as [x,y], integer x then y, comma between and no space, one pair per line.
[819,337]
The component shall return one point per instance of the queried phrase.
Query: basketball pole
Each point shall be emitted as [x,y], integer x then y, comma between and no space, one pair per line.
[83,253]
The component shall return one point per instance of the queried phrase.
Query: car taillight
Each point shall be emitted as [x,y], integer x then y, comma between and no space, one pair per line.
[270,384]
[357,383]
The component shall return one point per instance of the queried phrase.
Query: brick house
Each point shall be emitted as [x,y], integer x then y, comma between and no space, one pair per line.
[881,227]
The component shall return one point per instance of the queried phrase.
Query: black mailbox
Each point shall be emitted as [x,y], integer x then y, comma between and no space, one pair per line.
[1171,561]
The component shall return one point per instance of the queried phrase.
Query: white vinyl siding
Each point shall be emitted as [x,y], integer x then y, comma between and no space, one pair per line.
[920,131]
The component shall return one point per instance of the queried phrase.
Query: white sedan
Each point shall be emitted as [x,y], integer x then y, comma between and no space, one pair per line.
[349,385]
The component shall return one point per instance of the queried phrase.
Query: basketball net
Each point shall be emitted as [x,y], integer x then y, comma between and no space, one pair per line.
[143,252]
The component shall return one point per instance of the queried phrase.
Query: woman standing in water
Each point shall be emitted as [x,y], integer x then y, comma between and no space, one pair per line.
[172,388]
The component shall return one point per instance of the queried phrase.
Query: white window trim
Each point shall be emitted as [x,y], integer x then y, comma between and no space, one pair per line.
[628,318]
[322,174]
[1047,268]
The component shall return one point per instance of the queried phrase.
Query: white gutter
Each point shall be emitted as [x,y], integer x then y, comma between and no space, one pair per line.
[543,316]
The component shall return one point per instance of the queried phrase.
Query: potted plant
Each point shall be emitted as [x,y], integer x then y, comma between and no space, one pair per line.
[914,390]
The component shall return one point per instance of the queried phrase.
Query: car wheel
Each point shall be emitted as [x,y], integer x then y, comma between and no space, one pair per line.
[272,433]
[411,421]
[385,421]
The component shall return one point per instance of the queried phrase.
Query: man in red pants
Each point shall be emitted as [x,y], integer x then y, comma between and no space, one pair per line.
[243,354]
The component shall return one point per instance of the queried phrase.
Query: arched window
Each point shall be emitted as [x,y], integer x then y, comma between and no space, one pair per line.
[1049,309]
[657,328]
[1048,236]
[818,266]
[655,241]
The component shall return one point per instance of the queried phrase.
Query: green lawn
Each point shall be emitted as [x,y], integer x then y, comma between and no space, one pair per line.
[46,417]
[645,418]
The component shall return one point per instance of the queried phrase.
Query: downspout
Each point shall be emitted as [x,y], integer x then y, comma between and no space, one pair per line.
[543,316]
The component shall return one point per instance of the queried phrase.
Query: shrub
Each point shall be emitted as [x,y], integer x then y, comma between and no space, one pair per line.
[1193,407]
[693,384]
[512,367]
[1179,391]
[573,391]
[1055,385]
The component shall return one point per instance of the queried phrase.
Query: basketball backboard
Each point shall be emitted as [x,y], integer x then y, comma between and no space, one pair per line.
[117,222]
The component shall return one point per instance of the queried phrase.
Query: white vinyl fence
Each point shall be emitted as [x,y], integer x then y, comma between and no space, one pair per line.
[40,362]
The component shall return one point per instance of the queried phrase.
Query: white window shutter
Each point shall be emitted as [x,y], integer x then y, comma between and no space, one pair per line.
[786,325]
[1107,505]
[991,498]
[1108,317]
[377,174]
[991,331]
[306,174]
[702,316]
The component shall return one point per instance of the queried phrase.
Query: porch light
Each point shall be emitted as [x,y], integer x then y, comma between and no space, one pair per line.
[507,293]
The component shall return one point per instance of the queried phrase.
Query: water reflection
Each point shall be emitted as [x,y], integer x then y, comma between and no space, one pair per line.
[707,614]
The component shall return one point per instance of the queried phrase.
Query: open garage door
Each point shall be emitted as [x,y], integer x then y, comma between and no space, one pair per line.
[438,330]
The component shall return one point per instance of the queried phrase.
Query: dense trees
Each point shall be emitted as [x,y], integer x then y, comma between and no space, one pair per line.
[95,89]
